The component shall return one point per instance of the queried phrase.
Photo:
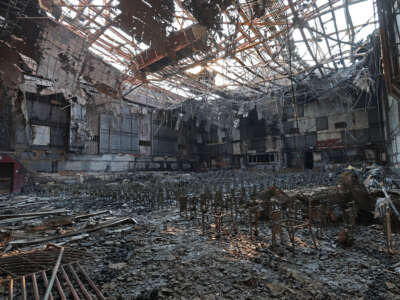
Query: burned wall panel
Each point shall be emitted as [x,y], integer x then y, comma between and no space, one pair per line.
[145,134]
[119,136]
[63,56]
[80,136]
[49,115]
[165,139]
[102,76]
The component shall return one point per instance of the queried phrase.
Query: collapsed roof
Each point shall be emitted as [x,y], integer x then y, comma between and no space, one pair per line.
[249,48]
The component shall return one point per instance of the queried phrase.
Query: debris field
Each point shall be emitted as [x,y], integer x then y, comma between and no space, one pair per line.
[213,235]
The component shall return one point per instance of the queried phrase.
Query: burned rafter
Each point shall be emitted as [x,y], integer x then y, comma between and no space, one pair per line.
[336,30]
[257,39]
[299,22]
[350,25]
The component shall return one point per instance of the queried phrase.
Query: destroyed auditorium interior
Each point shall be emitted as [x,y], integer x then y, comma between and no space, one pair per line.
[199,149]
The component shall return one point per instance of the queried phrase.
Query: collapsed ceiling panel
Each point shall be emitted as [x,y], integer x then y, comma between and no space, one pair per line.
[146,21]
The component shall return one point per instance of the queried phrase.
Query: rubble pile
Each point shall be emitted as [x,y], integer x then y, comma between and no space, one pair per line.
[211,235]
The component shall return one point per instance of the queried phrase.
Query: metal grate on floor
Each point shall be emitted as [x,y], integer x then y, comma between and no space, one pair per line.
[18,264]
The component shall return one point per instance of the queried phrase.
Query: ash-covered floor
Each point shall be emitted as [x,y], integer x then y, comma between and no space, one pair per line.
[162,252]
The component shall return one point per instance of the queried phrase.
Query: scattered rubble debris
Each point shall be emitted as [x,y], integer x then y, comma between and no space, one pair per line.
[184,149]
[214,234]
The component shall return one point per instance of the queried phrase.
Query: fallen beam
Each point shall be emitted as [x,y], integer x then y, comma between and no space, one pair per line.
[35,214]
[103,225]
[92,214]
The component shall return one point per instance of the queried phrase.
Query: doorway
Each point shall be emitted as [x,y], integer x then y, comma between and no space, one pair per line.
[308,160]
[6,177]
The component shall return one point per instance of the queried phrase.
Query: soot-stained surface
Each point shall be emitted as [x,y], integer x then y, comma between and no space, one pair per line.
[166,255]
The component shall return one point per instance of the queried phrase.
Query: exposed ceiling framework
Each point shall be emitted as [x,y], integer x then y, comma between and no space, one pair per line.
[252,46]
